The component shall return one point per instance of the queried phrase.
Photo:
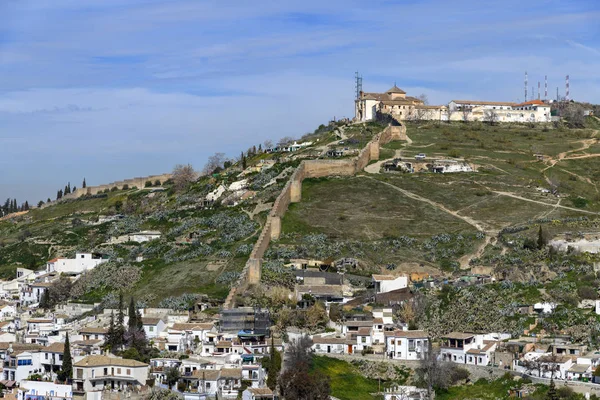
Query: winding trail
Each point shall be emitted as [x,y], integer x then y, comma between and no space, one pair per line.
[477,224]
[375,168]
[514,196]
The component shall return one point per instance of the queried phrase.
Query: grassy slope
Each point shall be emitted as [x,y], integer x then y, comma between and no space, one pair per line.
[346,383]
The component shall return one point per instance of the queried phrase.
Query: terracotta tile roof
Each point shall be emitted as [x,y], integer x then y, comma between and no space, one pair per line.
[330,340]
[54,348]
[359,323]
[97,361]
[261,391]
[190,326]
[41,284]
[378,320]
[224,343]
[150,321]
[458,335]
[40,321]
[231,373]
[395,89]
[407,334]
[93,330]
[364,331]
[207,374]
[485,103]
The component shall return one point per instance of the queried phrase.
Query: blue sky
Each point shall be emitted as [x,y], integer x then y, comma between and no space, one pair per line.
[111,89]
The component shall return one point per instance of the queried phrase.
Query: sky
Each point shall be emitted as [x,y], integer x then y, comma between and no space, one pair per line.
[112,89]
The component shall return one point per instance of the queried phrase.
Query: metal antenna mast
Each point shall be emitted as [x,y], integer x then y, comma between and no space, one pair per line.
[568,93]
[538,90]
[545,87]
[358,84]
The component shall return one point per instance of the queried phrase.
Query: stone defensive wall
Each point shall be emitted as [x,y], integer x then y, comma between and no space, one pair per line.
[292,193]
[139,182]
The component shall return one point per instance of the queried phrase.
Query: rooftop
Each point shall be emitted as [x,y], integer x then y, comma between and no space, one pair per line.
[97,361]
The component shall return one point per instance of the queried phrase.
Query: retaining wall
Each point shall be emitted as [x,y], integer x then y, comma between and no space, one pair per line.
[292,193]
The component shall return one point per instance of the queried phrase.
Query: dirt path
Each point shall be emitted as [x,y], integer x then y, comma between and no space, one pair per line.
[464,260]
[342,132]
[477,224]
[587,143]
[514,196]
[375,168]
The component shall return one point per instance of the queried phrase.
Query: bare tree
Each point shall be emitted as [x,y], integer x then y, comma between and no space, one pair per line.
[466,113]
[490,116]
[183,175]
[450,111]
[268,144]
[214,163]
[573,113]
[423,97]
[284,141]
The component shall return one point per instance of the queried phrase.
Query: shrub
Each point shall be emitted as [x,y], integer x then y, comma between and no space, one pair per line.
[580,202]
[125,187]
[157,182]
[148,184]
[114,189]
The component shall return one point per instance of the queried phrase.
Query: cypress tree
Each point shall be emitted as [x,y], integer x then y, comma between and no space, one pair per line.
[120,326]
[110,335]
[541,241]
[66,371]
[48,201]
[552,394]
[132,323]
[84,185]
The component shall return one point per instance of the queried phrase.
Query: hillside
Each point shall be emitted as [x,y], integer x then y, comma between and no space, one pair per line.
[204,244]
[389,222]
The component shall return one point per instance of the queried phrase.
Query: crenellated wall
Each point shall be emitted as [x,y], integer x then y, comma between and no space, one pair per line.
[292,193]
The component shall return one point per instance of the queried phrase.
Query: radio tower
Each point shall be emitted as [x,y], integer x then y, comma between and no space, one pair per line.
[358,85]
[525,85]
[545,87]
[567,94]
[538,90]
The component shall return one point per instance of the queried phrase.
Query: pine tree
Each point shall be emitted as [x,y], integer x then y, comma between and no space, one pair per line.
[74,189]
[260,148]
[48,201]
[69,186]
[40,203]
[84,185]
[244,162]
[66,371]
[26,206]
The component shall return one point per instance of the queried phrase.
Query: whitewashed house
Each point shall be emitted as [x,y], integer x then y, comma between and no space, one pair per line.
[257,394]
[387,283]
[29,390]
[406,345]
[332,345]
[96,373]
[469,348]
[81,263]
[153,326]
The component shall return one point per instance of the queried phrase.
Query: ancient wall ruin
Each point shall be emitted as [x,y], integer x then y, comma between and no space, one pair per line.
[292,193]
[139,182]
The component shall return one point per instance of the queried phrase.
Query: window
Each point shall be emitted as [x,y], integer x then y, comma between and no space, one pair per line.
[480,361]
[470,359]
[79,373]
[60,357]
[94,384]
[82,256]
[363,339]
[24,362]
[119,371]
[208,385]
[151,329]
[128,371]
[46,355]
